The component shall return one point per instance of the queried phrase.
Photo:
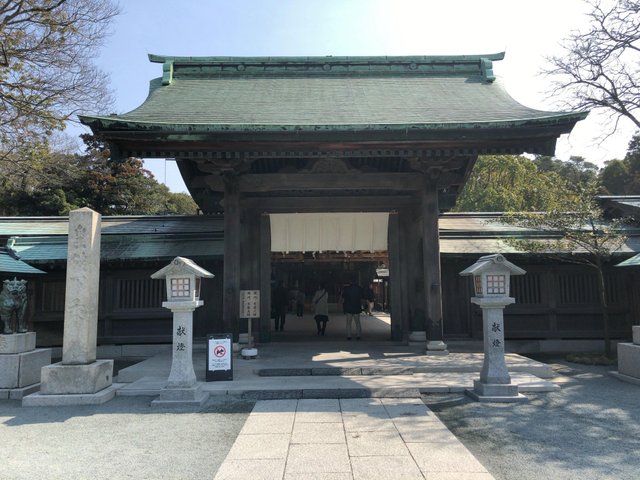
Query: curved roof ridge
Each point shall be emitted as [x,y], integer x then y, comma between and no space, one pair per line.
[203,60]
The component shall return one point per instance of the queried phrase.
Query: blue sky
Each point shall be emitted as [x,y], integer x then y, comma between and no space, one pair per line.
[528,31]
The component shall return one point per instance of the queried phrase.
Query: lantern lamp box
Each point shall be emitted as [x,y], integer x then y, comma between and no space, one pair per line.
[182,277]
[219,357]
[491,276]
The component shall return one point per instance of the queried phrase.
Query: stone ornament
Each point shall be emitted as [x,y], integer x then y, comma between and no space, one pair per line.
[13,305]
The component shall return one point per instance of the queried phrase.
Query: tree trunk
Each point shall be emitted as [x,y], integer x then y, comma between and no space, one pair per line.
[604,308]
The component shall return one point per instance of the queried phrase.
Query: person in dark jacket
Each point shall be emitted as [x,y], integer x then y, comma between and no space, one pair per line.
[352,296]
[280,305]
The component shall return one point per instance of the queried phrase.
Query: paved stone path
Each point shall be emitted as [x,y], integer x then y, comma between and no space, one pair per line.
[340,439]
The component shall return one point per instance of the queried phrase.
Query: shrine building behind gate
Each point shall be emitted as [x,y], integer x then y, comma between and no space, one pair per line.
[313,158]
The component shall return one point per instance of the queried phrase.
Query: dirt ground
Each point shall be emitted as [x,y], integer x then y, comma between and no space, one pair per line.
[590,429]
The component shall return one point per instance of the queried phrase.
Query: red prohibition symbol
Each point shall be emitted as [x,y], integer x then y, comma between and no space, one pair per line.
[219,351]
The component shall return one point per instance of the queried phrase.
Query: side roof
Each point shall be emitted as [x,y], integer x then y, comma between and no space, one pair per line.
[43,240]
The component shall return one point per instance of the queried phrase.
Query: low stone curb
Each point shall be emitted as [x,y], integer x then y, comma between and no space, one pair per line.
[335,371]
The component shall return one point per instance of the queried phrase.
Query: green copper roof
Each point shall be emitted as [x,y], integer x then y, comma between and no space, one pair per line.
[10,264]
[122,248]
[44,239]
[276,94]
[630,262]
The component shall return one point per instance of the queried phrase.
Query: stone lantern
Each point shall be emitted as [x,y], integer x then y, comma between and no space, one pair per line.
[182,277]
[491,282]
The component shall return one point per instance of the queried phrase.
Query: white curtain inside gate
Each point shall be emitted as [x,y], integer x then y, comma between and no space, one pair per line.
[329,232]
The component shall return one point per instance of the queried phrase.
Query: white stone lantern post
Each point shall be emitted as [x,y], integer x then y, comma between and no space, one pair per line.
[491,281]
[182,278]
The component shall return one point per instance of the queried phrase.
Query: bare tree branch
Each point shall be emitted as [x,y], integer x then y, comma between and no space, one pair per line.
[601,65]
[49,74]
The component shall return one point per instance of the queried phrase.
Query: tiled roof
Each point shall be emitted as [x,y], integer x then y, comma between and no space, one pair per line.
[117,248]
[42,240]
[10,264]
[120,225]
[272,94]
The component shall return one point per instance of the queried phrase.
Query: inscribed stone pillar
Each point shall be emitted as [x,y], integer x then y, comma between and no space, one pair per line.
[79,379]
[81,297]
[182,374]
[494,368]
[495,382]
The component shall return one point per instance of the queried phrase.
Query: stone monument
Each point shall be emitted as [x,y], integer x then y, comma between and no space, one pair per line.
[79,378]
[629,359]
[182,277]
[20,361]
[491,281]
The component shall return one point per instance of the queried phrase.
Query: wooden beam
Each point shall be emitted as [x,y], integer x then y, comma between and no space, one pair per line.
[282,182]
[334,203]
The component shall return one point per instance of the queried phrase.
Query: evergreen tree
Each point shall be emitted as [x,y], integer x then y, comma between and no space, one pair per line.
[507,183]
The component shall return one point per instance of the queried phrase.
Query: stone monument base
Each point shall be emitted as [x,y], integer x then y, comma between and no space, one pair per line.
[19,370]
[181,396]
[40,400]
[17,343]
[629,359]
[495,392]
[60,379]
[18,393]
[20,365]
[625,378]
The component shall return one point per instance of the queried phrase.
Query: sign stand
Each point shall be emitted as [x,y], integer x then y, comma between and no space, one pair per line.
[219,358]
[249,309]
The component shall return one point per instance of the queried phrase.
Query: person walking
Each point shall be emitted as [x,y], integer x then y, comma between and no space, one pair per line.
[352,296]
[321,309]
[280,305]
[370,299]
[300,297]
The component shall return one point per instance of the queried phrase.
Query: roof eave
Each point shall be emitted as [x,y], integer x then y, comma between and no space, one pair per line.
[114,124]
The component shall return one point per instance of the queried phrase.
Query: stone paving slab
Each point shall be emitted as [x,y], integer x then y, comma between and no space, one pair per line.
[317,447]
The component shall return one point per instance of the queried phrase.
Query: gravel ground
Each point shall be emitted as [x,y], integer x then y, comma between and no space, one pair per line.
[588,430]
[122,439]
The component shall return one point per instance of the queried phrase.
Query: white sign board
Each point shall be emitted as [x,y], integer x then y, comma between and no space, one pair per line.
[249,303]
[219,354]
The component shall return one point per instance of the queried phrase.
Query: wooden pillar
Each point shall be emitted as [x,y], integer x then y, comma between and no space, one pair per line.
[265,279]
[406,274]
[231,281]
[250,259]
[432,274]
[414,263]
[395,278]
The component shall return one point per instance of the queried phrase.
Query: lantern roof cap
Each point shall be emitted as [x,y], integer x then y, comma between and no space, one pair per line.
[488,262]
[181,265]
